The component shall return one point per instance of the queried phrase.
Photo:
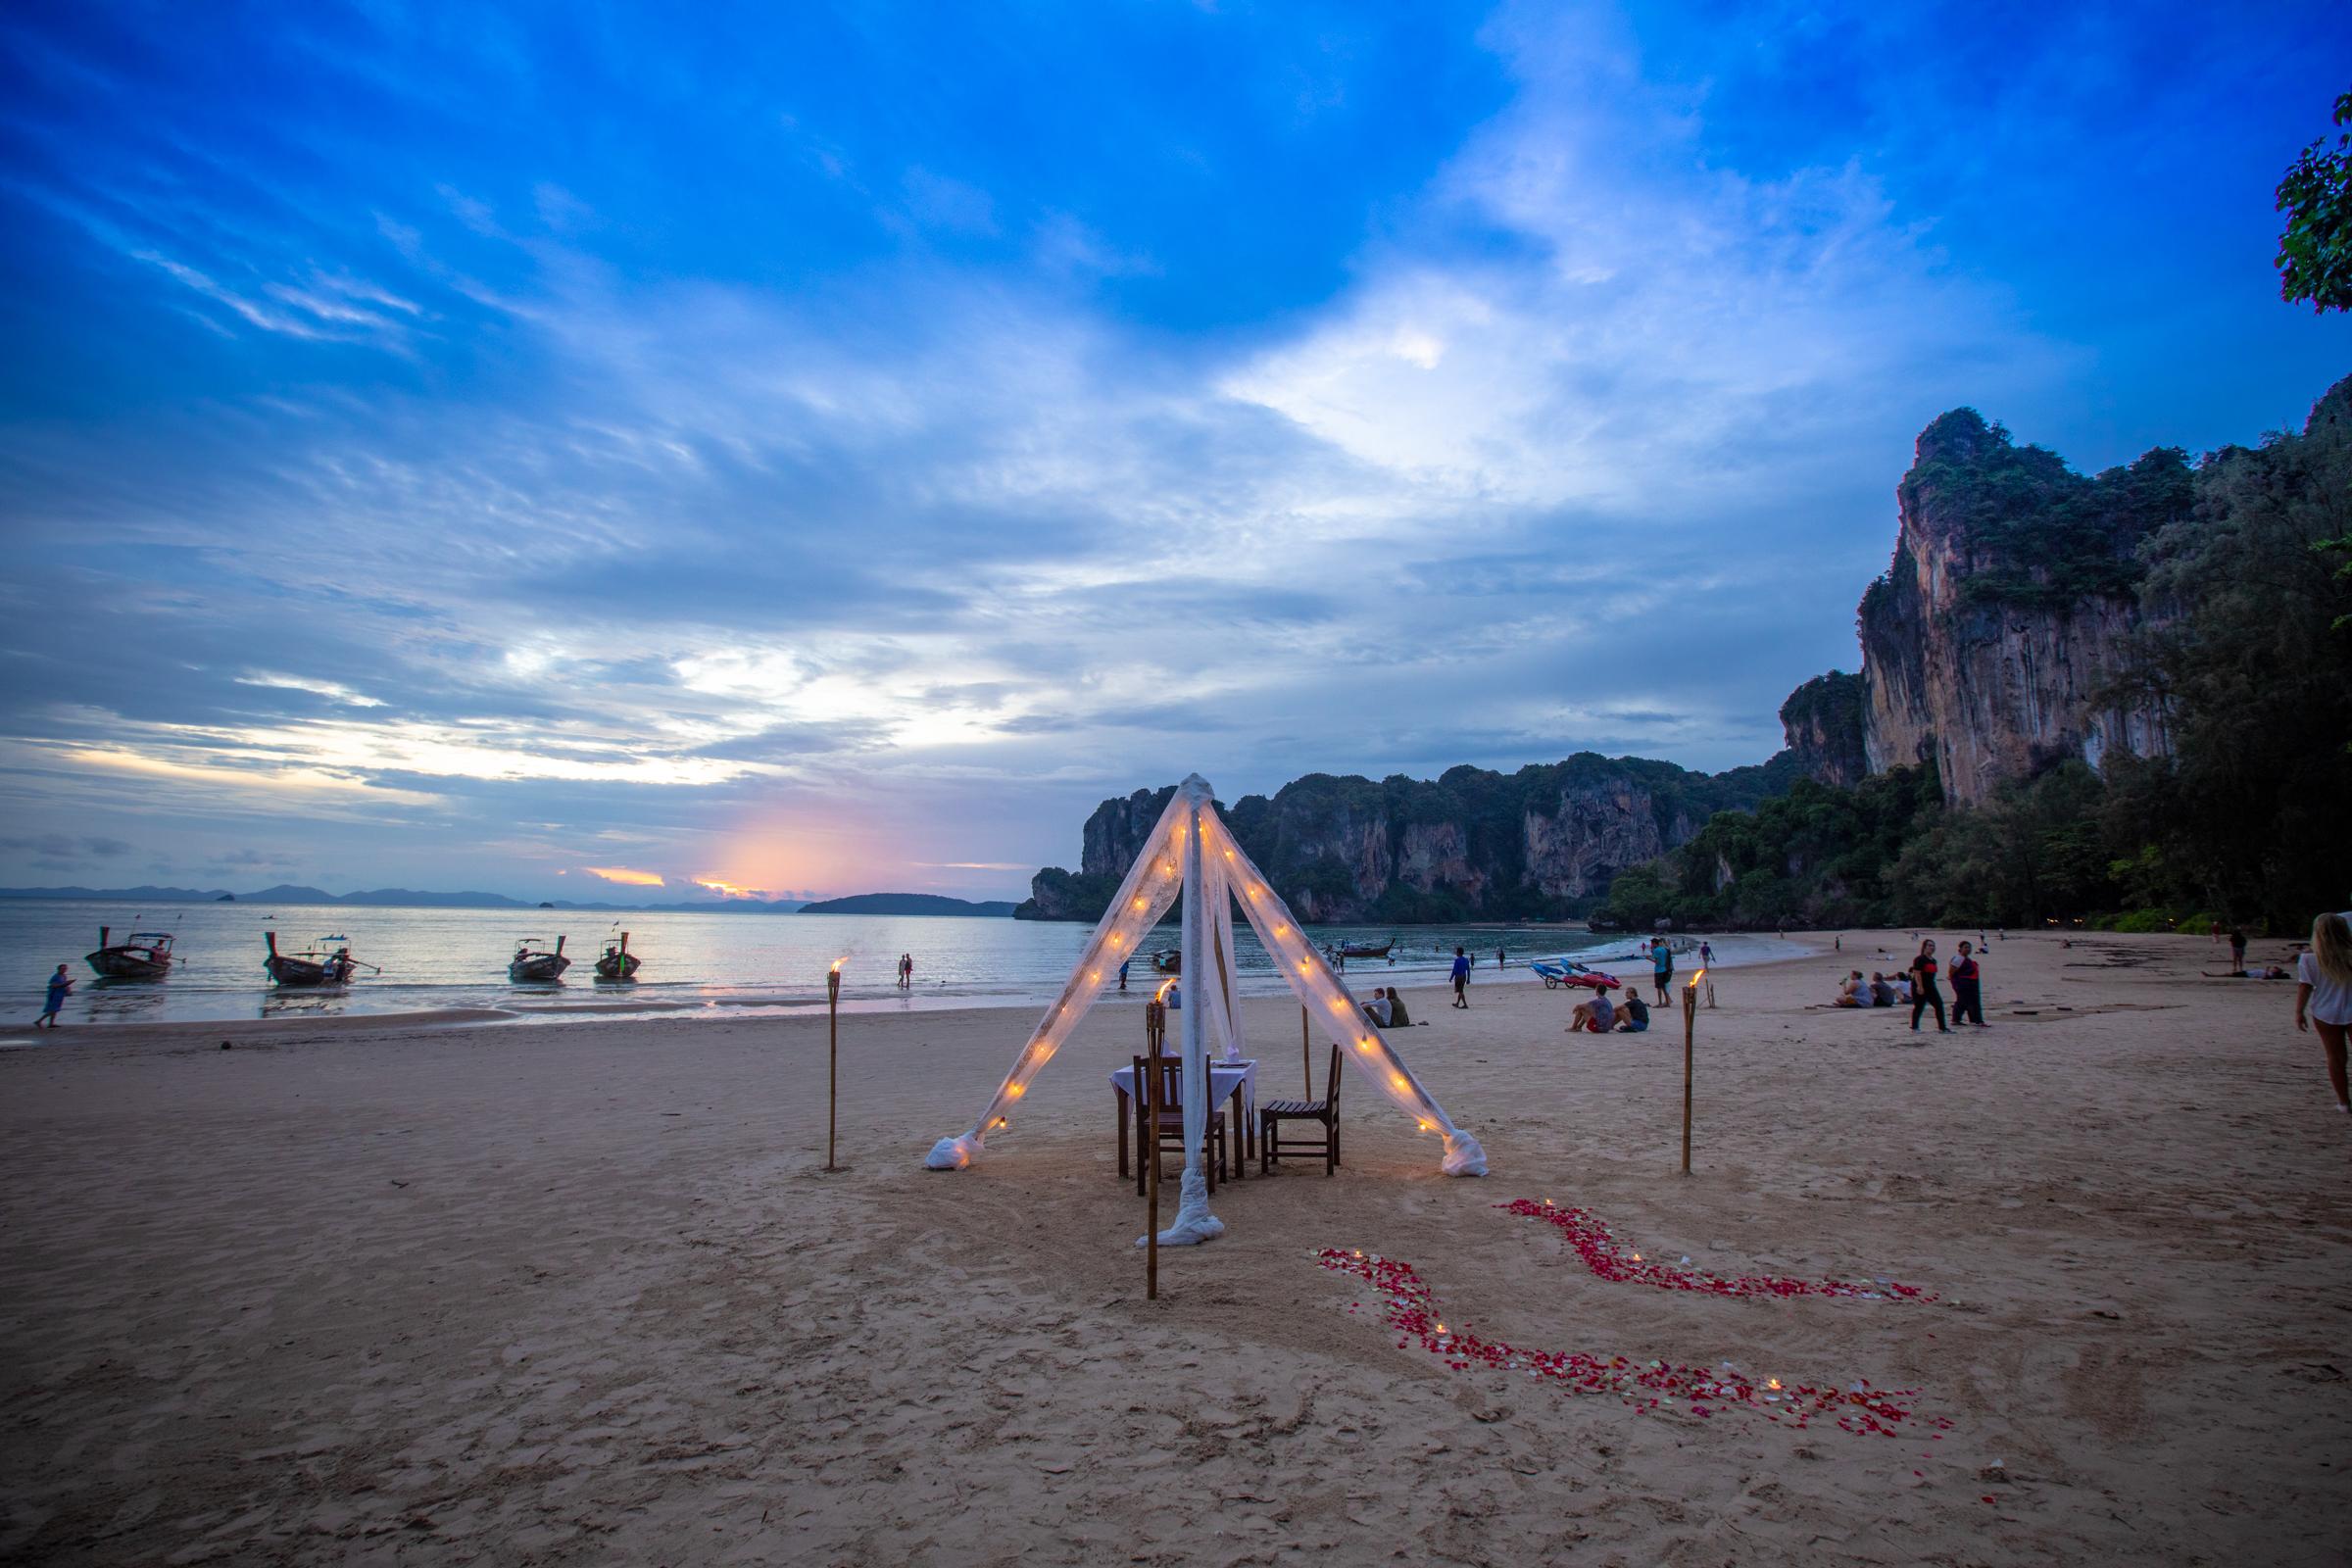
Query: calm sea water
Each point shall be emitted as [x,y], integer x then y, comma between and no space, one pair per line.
[716,962]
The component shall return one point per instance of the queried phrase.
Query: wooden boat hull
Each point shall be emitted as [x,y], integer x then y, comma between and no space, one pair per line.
[538,969]
[1168,962]
[129,964]
[617,966]
[1380,952]
[287,972]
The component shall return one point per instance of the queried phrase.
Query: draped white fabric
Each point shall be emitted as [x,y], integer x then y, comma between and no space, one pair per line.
[1204,996]
[1151,885]
[1190,849]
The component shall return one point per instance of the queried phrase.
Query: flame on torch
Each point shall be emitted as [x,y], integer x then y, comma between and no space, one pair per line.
[838,962]
[1161,995]
[1691,983]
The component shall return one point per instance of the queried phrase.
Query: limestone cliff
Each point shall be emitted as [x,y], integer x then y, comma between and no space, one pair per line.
[1470,845]
[1993,641]
[1821,724]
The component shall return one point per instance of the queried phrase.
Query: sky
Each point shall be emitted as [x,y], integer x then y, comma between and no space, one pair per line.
[604,452]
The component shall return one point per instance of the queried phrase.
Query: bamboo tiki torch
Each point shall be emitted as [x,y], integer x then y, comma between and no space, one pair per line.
[1151,1088]
[1690,1022]
[832,1053]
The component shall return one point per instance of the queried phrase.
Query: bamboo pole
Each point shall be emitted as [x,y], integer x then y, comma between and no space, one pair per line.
[1306,1053]
[1151,1143]
[832,1056]
[1689,1021]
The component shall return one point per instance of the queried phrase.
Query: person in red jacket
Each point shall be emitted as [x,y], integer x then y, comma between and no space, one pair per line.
[1968,994]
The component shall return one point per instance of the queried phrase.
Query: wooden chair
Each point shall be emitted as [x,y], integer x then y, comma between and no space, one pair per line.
[1149,1142]
[1325,1111]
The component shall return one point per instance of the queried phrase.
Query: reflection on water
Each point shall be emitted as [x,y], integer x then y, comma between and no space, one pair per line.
[307,1002]
[125,1002]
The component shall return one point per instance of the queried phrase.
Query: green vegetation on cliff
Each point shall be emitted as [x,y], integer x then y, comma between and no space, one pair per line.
[2247,652]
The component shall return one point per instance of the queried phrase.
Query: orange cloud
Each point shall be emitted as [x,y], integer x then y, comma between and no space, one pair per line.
[622,875]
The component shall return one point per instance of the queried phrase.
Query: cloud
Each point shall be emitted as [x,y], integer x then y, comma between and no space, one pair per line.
[627,877]
[854,476]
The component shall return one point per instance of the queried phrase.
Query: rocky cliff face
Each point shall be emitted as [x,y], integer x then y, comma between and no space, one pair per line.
[1821,724]
[1993,644]
[1471,845]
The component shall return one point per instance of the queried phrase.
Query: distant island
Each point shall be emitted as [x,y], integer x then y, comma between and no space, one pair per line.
[907,904]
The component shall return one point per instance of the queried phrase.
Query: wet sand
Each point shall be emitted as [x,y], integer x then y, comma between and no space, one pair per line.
[578,1292]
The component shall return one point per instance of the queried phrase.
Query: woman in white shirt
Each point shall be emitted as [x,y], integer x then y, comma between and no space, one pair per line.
[2324,995]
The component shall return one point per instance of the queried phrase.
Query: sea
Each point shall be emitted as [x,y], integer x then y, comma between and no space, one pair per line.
[716,964]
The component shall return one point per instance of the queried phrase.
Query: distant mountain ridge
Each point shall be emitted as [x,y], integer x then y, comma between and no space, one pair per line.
[391,898]
[909,904]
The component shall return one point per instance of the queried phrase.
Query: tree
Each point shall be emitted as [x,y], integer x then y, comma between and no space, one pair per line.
[2315,254]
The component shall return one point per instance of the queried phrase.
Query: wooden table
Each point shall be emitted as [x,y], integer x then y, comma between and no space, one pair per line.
[1227,1080]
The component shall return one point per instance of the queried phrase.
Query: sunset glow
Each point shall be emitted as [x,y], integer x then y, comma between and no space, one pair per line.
[627,877]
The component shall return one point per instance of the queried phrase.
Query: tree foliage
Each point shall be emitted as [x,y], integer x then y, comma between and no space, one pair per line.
[2315,251]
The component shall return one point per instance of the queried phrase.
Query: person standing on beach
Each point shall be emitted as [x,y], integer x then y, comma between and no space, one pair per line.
[1501,960]
[1967,996]
[1923,988]
[1661,967]
[60,984]
[1123,962]
[2324,995]
[1707,955]
[1461,978]
[2238,951]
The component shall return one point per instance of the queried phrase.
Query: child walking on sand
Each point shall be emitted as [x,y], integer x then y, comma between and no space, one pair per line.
[2324,995]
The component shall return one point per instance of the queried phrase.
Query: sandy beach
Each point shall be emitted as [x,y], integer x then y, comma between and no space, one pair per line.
[580,1293]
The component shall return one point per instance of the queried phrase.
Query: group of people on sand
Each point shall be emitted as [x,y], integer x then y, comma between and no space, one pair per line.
[1598,1014]
[1917,988]
[1387,1007]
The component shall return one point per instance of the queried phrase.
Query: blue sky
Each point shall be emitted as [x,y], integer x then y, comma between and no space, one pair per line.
[822,450]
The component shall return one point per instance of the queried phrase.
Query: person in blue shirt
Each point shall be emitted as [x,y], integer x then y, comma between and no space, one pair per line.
[1661,964]
[60,984]
[1124,963]
[1461,978]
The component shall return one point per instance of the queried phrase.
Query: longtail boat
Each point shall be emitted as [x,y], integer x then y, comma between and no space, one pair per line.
[1167,962]
[141,956]
[313,966]
[1366,949]
[528,965]
[619,963]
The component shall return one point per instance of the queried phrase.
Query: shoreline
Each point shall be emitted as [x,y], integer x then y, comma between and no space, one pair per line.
[592,1009]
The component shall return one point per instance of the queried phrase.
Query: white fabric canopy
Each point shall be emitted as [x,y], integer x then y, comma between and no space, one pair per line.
[1190,849]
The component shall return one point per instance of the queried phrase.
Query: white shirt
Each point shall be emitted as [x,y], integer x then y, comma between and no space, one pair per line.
[2331,1000]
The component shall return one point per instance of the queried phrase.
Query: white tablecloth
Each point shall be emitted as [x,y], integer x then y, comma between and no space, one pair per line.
[1223,1078]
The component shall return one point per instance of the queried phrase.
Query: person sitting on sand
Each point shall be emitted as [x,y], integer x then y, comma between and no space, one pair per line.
[2324,997]
[1851,992]
[1597,1016]
[1634,1016]
[1881,995]
[1398,1019]
[1378,1008]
